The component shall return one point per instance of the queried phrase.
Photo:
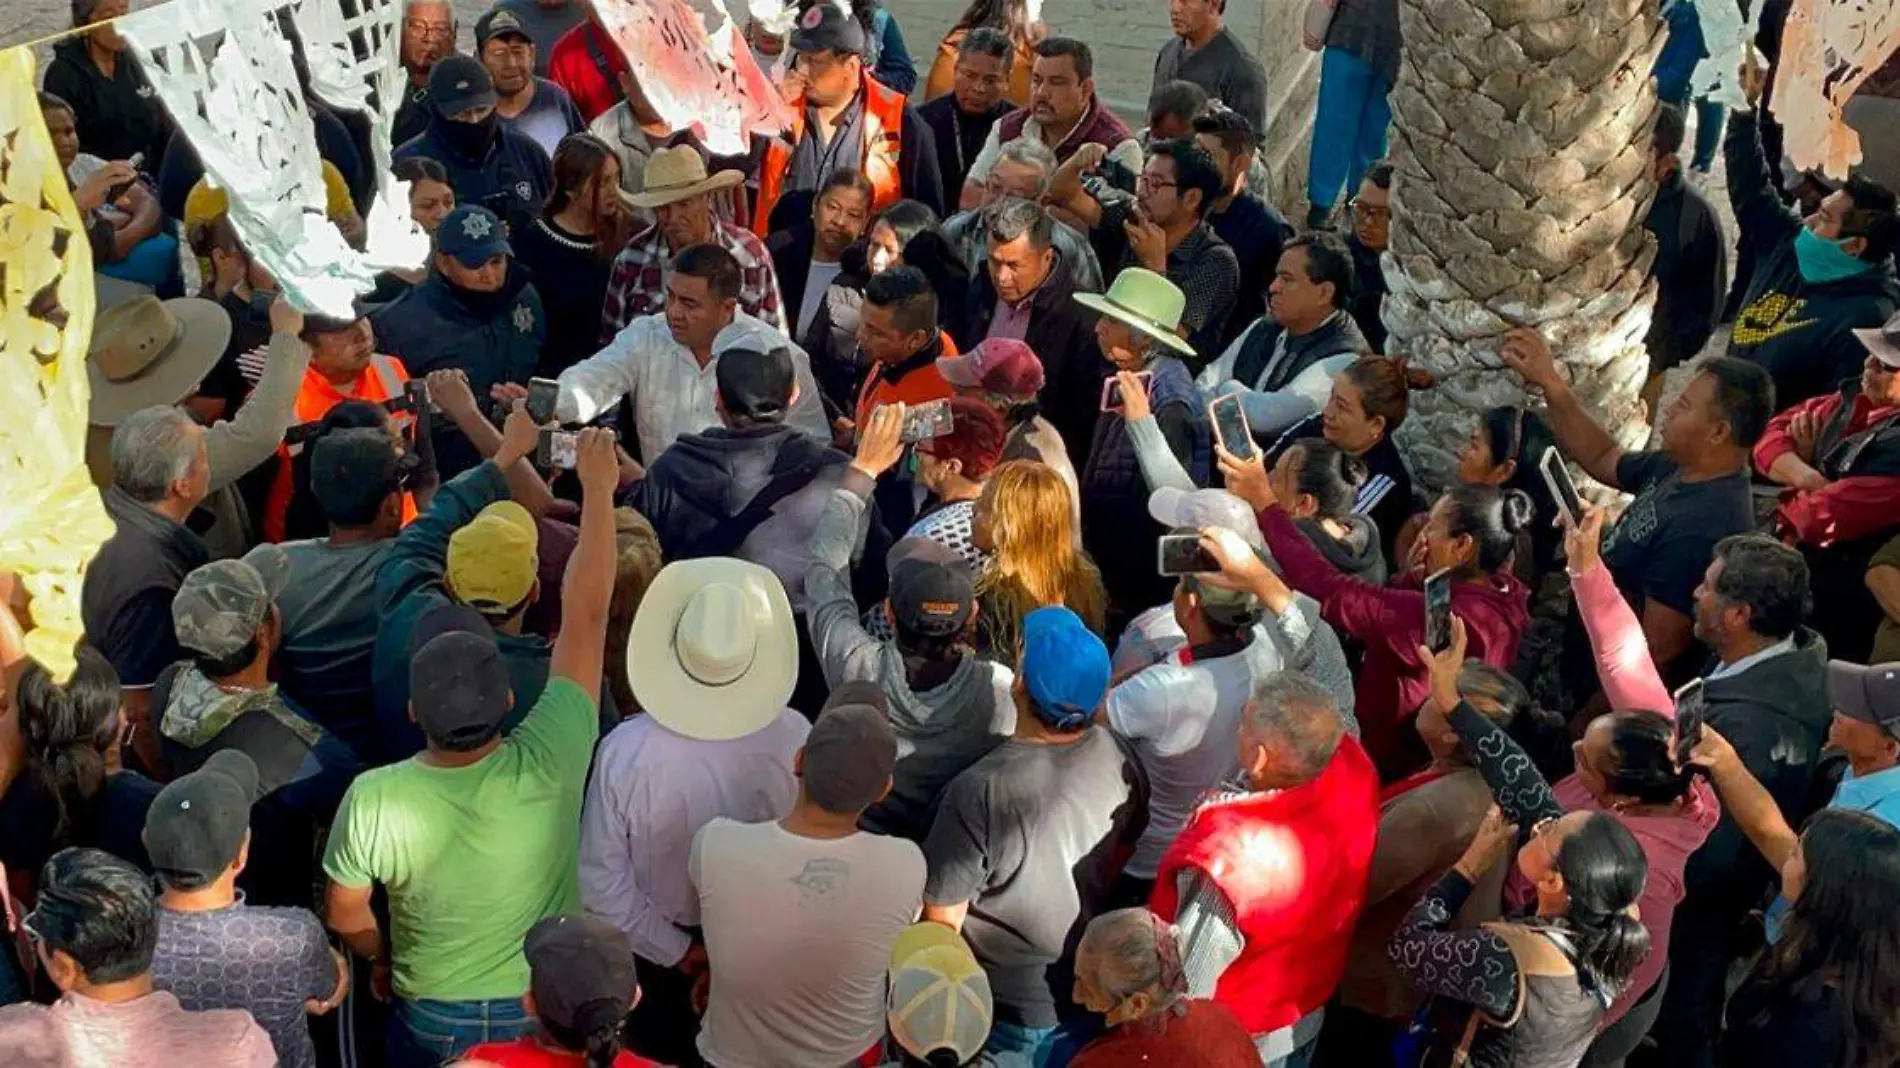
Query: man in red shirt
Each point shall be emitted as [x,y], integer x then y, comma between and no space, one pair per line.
[1266,882]
[588,64]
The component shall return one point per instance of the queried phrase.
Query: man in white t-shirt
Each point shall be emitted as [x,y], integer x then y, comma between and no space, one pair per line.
[800,914]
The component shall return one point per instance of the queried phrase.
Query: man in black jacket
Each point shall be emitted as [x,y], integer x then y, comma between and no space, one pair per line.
[961,119]
[1023,293]
[1691,267]
[1815,280]
[809,257]
[1247,223]
[1371,235]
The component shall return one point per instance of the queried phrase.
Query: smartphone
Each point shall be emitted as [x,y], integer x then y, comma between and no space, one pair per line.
[136,161]
[922,422]
[555,449]
[1183,554]
[1230,426]
[1563,489]
[542,395]
[1691,709]
[1112,390]
[1438,611]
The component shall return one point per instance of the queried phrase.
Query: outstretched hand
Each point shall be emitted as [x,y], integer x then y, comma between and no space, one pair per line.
[1445,667]
[881,441]
[1526,352]
[1247,479]
[1583,544]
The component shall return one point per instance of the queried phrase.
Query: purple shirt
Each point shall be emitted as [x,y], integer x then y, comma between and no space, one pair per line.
[1010,321]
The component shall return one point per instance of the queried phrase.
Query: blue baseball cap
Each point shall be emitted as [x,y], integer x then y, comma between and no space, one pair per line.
[1065,667]
[473,235]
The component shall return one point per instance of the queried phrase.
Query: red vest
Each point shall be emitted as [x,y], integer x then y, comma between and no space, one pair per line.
[1294,865]
[883,147]
[1099,126]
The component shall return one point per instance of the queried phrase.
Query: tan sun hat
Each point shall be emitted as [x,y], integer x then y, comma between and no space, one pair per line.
[712,653]
[148,352]
[673,174]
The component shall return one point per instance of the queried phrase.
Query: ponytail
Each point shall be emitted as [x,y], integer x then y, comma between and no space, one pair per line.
[1604,869]
[1492,518]
[67,730]
[1385,385]
[1642,750]
[598,1022]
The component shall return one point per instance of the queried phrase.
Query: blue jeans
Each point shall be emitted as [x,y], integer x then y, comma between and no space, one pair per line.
[424,1034]
[1349,126]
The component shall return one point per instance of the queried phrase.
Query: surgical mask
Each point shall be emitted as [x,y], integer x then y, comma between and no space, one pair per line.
[1822,261]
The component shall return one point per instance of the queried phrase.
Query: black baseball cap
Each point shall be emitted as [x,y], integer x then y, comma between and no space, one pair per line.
[197,824]
[576,960]
[352,469]
[458,83]
[826,27]
[498,21]
[458,680]
[756,385]
[851,751]
[932,591]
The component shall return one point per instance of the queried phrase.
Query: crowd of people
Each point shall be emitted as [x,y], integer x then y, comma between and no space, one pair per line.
[808,609]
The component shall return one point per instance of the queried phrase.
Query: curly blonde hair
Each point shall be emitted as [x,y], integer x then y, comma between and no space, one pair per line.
[1028,522]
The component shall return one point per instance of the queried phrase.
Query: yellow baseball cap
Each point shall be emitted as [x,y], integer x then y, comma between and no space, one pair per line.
[939,995]
[492,561]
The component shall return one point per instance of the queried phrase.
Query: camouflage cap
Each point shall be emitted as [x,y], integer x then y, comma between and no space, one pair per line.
[219,607]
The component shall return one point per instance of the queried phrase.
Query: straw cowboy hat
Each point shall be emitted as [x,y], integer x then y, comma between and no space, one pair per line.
[674,174]
[1145,301]
[148,352]
[712,654]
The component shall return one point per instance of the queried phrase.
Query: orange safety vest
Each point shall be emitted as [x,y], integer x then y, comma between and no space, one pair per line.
[381,381]
[883,147]
[920,386]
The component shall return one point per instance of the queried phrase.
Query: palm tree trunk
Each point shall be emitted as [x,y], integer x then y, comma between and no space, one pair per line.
[1521,145]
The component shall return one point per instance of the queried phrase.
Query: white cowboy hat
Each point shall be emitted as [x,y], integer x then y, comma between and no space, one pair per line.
[673,174]
[148,352]
[712,654]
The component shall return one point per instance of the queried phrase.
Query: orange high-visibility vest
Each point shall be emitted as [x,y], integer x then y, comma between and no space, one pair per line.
[383,380]
[883,147]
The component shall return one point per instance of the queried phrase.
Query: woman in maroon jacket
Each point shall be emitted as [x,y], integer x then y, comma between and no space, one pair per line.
[1471,531]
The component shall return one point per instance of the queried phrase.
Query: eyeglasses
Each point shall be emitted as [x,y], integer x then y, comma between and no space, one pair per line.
[34,936]
[1147,181]
[428,30]
[1370,212]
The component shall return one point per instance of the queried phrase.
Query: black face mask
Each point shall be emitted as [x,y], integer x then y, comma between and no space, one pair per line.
[468,138]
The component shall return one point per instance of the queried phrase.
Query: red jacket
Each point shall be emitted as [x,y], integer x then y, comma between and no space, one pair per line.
[587,64]
[1293,863]
[1863,494]
[1390,620]
[883,145]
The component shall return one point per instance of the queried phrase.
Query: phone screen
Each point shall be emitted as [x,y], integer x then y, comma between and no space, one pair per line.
[1438,611]
[542,395]
[926,421]
[1183,554]
[555,450]
[1112,390]
[1230,426]
[1562,488]
[1691,710]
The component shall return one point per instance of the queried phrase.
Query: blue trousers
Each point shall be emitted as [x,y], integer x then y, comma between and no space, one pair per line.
[426,1034]
[1349,126]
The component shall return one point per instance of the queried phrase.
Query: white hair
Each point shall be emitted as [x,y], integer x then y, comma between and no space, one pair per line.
[152,449]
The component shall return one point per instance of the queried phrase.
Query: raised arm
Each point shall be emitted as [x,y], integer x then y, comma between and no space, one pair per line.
[1516,785]
[846,651]
[1578,433]
[589,584]
[1745,799]
[234,448]
[1475,967]
[1764,220]
[1159,464]
[597,383]
[448,389]
[1624,666]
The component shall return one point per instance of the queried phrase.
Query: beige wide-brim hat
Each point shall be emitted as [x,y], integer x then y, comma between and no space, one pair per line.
[148,352]
[1146,301]
[673,174]
[712,654]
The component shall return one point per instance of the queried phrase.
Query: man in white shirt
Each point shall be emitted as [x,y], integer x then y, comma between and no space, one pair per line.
[664,363]
[712,657]
[800,915]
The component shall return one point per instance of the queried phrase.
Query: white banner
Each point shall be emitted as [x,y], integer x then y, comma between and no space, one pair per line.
[708,83]
[1828,49]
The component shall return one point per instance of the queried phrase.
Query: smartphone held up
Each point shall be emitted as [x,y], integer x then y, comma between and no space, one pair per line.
[1183,554]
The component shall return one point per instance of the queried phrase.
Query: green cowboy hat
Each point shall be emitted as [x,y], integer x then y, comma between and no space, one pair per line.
[1145,301]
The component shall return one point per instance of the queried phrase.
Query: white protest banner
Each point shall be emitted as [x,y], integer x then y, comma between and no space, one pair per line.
[706,82]
[1828,48]
[1727,36]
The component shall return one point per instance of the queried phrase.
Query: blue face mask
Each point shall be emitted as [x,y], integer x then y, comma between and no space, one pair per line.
[1822,261]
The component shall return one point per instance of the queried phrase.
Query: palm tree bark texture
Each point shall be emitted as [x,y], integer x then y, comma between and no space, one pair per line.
[1521,147]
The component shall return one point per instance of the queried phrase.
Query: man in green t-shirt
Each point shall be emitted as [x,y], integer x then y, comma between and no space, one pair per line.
[476,838]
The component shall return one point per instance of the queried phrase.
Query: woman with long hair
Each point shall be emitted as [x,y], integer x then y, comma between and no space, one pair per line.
[1529,991]
[571,247]
[1128,970]
[1025,522]
[1011,17]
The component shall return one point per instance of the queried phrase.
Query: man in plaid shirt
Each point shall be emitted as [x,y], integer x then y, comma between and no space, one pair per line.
[680,195]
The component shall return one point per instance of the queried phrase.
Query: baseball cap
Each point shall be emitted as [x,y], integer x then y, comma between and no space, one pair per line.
[198,821]
[1065,667]
[458,83]
[754,384]
[997,365]
[851,751]
[1227,607]
[458,681]
[473,235]
[492,563]
[1867,694]
[1883,342]
[498,21]
[932,592]
[352,469]
[576,960]
[1195,509]
[940,996]
[828,28]
[219,607]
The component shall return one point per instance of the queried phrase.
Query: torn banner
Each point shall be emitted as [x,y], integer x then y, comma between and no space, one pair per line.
[1828,48]
[51,519]
[224,70]
[707,82]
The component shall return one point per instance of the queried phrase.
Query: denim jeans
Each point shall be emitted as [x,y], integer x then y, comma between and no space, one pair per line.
[1349,126]
[424,1034]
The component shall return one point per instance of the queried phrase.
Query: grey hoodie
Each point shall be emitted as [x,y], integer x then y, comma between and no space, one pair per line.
[940,731]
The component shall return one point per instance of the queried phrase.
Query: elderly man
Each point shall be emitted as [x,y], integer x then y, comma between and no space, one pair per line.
[961,119]
[524,100]
[1022,171]
[490,163]
[680,193]
[1064,114]
[428,37]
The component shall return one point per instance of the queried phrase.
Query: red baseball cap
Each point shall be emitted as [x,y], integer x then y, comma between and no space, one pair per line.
[998,365]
